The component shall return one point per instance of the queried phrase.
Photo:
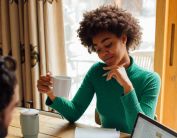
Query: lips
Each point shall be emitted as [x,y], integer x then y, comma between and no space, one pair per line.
[108,59]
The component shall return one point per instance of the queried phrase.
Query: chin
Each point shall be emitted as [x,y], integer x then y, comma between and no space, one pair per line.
[110,63]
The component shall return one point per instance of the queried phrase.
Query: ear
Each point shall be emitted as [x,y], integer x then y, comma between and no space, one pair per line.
[124,39]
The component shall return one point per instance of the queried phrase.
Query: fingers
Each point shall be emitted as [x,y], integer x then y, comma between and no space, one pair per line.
[45,78]
[43,88]
[105,74]
[110,75]
[49,75]
[114,67]
[44,84]
[110,67]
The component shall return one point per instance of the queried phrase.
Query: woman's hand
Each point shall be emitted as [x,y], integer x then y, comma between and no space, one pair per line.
[119,73]
[44,85]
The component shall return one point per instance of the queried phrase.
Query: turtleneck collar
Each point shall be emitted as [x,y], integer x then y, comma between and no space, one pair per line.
[132,67]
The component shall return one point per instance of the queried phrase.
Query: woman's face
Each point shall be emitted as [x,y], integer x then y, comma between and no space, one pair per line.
[110,48]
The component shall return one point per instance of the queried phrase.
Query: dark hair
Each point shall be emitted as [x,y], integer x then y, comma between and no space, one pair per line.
[112,19]
[7,80]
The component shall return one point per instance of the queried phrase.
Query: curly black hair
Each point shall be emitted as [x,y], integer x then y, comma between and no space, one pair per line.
[112,19]
[8,81]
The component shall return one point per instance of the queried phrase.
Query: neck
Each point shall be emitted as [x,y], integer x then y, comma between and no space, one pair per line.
[125,60]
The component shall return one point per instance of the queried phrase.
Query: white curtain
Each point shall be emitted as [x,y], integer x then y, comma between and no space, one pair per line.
[32,32]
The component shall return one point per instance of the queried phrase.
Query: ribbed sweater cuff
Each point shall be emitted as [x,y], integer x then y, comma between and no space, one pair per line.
[130,100]
[53,103]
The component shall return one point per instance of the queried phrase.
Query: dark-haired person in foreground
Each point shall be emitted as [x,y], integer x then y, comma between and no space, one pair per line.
[122,88]
[8,93]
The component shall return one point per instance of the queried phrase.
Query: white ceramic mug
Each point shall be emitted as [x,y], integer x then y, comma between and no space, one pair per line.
[61,86]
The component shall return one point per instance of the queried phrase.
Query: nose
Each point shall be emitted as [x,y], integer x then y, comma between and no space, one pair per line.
[105,53]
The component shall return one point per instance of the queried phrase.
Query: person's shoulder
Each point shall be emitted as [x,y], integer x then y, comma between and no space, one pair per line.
[149,80]
[147,75]
[151,77]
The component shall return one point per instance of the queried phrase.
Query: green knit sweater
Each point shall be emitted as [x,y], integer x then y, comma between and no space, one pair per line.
[116,109]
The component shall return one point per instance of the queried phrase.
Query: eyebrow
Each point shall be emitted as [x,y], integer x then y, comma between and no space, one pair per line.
[107,38]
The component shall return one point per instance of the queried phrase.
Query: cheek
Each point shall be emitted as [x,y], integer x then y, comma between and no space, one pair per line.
[100,56]
[8,117]
[120,50]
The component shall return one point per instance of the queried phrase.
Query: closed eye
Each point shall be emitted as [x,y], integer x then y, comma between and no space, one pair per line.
[98,50]
[109,45]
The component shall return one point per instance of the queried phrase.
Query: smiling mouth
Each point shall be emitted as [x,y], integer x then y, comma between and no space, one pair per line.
[107,59]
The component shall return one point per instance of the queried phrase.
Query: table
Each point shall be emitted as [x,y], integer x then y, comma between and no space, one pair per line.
[50,127]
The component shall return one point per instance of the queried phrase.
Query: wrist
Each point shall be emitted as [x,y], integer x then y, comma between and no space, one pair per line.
[128,88]
[51,96]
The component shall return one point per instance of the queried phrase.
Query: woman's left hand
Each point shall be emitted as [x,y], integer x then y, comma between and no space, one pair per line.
[119,73]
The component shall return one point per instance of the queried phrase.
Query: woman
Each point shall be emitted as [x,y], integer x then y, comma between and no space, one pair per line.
[8,93]
[122,88]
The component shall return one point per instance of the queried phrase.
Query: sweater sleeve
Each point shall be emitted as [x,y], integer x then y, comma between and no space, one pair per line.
[72,110]
[147,102]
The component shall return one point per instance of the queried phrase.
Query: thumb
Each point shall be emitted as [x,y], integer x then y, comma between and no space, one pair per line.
[49,74]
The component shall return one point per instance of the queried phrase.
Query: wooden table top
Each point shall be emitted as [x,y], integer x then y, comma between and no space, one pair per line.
[50,127]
